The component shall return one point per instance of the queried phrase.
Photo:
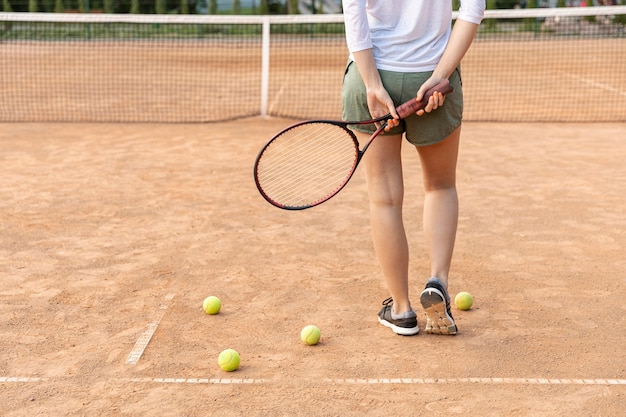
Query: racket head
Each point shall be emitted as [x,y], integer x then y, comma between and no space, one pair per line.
[306,164]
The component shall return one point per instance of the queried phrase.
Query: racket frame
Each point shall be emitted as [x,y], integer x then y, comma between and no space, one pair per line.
[404,110]
[359,152]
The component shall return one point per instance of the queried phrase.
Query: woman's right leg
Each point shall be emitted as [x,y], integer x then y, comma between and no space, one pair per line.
[383,167]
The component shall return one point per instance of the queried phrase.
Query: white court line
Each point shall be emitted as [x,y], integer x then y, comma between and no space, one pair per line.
[144,339]
[276,99]
[492,381]
[596,84]
[207,381]
[6,379]
[351,381]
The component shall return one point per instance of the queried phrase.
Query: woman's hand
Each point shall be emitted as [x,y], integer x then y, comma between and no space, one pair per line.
[380,104]
[435,101]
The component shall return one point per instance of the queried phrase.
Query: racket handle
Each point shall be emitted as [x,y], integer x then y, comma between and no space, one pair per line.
[412,106]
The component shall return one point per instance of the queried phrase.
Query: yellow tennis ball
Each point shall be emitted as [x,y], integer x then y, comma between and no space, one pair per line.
[212,305]
[229,360]
[310,335]
[463,300]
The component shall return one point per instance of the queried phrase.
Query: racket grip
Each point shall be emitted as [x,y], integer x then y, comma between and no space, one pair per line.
[412,106]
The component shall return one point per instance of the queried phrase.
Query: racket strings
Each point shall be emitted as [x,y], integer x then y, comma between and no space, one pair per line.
[305,170]
[307,164]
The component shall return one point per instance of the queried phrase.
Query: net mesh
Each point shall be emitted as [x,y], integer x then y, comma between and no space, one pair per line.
[534,65]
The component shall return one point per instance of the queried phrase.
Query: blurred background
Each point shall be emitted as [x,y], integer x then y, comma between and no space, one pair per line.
[244,6]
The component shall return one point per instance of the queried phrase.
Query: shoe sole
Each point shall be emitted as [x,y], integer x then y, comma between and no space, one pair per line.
[437,319]
[402,331]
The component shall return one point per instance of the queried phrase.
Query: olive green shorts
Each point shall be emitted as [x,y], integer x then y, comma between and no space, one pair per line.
[424,130]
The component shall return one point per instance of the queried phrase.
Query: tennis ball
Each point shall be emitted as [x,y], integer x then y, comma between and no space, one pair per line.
[310,335]
[212,305]
[229,360]
[463,300]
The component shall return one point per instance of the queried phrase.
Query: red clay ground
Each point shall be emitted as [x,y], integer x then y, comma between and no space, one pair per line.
[108,229]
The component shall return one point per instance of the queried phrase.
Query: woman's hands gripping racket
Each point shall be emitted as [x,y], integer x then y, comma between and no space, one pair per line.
[309,162]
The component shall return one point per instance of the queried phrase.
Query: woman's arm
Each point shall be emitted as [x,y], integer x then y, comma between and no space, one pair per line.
[461,38]
[378,99]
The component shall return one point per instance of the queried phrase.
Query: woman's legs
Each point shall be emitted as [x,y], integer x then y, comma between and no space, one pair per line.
[440,224]
[441,206]
[383,167]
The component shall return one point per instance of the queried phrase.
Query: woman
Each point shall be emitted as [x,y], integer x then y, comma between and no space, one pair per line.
[398,50]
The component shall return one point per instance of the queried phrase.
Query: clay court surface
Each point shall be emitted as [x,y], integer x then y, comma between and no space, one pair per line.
[114,232]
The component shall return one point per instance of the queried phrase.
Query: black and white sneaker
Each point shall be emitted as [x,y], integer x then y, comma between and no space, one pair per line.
[404,324]
[436,303]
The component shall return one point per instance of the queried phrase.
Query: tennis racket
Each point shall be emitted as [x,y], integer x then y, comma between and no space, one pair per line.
[309,162]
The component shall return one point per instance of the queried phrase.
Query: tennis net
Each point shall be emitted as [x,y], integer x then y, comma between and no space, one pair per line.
[532,65]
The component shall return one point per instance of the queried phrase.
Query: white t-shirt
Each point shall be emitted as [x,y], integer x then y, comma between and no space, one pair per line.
[405,35]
